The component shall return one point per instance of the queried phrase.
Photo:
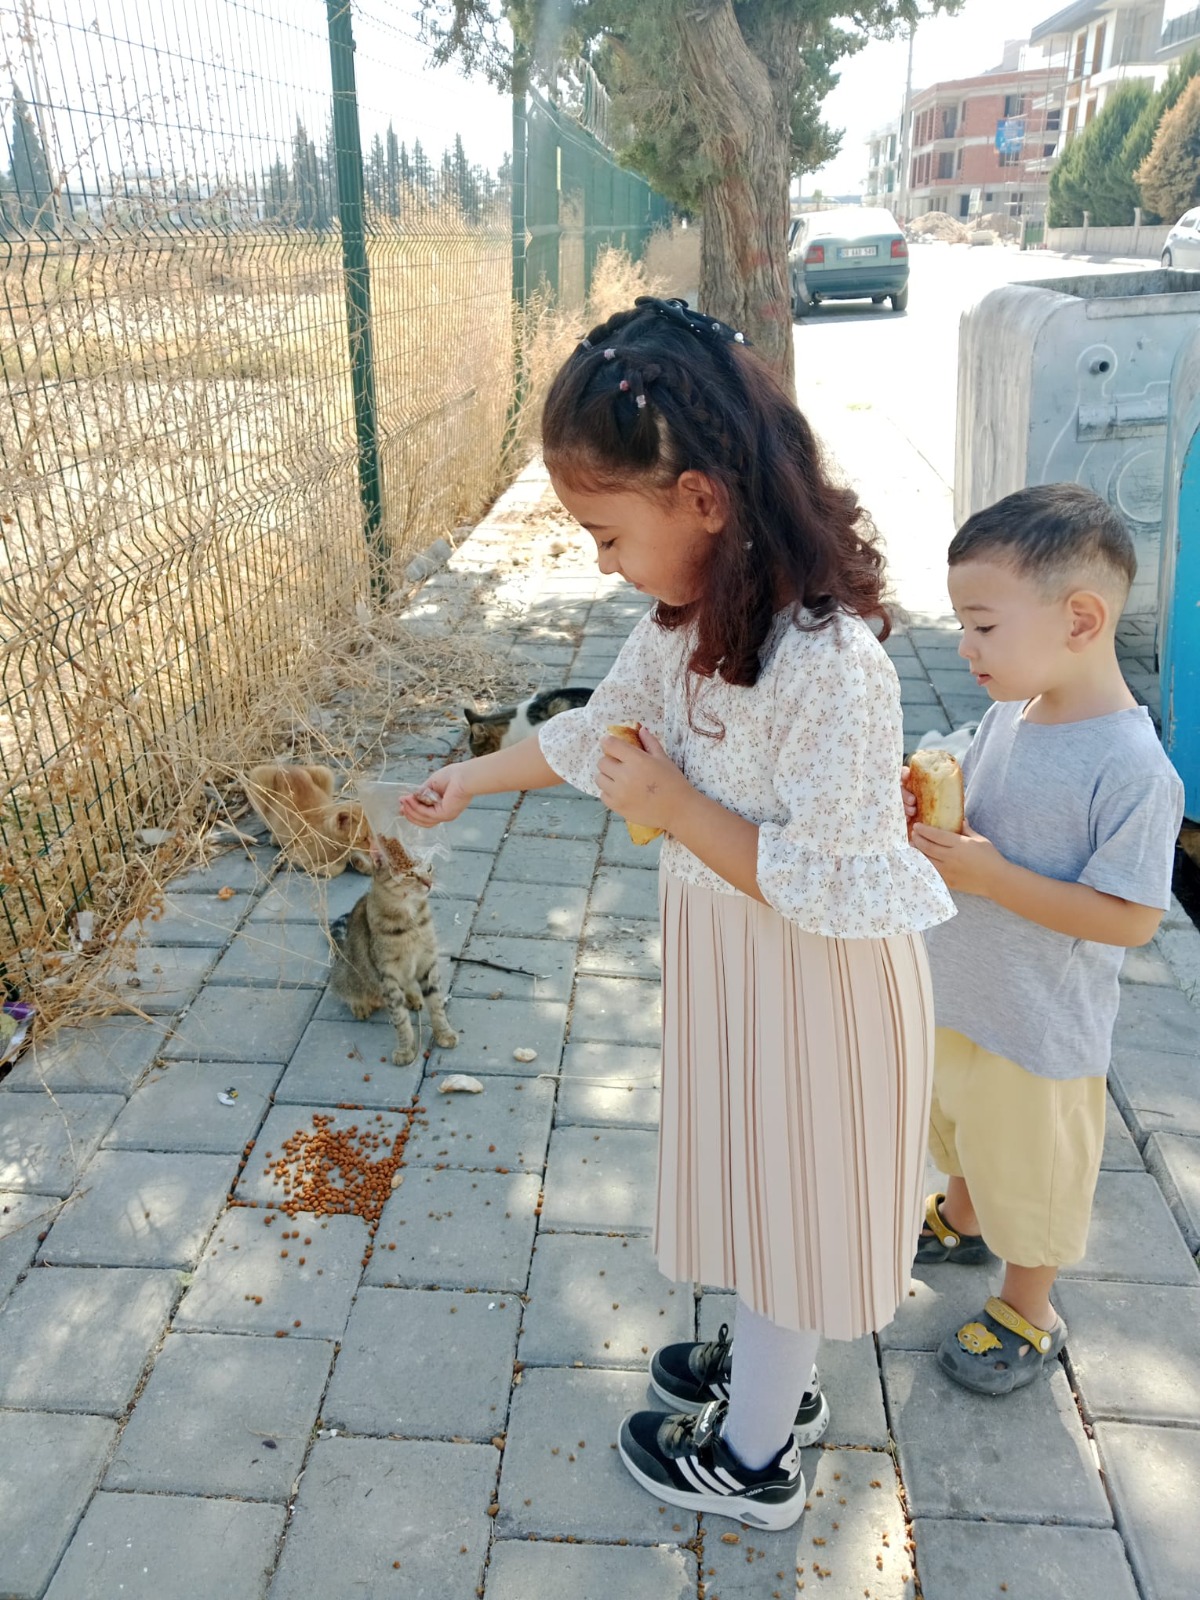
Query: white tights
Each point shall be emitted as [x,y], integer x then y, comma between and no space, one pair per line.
[772,1367]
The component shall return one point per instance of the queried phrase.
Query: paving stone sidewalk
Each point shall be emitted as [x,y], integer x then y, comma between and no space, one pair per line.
[204,1397]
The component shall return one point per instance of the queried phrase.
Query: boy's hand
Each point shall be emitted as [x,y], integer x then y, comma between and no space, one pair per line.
[967,861]
[643,786]
[441,798]
[909,799]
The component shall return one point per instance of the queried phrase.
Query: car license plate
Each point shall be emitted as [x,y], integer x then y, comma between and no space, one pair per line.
[857,250]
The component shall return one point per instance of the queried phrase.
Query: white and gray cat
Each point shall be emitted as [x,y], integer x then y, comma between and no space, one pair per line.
[386,950]
[495,730]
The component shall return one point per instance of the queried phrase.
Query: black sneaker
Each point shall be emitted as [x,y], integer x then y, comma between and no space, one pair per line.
[687,1376]
[683,1460]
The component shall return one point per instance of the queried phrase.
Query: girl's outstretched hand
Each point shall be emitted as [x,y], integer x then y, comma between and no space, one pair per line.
[441,798]
[643,786]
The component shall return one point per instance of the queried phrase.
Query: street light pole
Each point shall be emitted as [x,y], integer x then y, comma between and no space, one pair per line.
[905,123]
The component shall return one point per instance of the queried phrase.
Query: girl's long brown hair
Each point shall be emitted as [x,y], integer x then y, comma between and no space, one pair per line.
[792,535]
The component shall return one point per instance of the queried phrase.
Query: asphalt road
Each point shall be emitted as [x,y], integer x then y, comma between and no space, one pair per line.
[880,390]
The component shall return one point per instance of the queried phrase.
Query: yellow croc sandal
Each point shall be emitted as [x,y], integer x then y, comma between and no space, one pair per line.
[999,1351]
[940,1243]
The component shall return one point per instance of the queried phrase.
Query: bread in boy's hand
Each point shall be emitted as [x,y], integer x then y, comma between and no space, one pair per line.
[629,733]
[935,778]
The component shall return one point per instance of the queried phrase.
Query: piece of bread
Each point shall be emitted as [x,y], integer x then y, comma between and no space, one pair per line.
[629,733]
[935,777]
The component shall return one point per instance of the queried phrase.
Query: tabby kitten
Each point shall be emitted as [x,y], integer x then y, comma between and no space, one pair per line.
[494,730]
[386,950]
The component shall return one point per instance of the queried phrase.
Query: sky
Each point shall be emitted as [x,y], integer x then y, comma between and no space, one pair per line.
[871,91]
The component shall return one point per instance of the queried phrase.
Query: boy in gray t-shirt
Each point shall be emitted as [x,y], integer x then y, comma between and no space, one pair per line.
[1072,814]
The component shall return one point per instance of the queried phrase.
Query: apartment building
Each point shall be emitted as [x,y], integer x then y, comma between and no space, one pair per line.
[1092,48]
[1181,32]
[975,142]
[883,166]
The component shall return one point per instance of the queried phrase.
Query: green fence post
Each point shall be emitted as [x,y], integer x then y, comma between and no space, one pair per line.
[348,146]
[520,84]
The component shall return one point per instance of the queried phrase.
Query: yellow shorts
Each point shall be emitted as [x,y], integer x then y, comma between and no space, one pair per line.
[1028,1147]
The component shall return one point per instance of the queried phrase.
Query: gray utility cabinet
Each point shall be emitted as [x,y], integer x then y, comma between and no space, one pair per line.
[1068,380]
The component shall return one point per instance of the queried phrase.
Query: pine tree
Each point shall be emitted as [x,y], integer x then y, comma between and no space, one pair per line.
[1169,178]
[465,186]
[376,174]
[32,187]
[1140,140]
[422,168]
[392,164]
[277,206]
[309,210]
[1092,175]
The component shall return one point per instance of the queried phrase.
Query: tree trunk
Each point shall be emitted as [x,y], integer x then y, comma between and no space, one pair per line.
[746,99]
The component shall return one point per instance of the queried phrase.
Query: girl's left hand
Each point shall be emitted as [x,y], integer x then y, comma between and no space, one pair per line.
[643,786]
[967,861]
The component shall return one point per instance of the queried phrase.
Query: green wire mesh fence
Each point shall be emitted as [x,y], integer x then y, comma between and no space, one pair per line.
[257,349]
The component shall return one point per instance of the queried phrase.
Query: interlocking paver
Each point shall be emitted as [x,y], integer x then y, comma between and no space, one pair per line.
[463,877]
[1120,1153]
[222,1414]
[22,1218]
[104,1057]
[237,1024]
[244,1284]
[519,1570]
[389,1517]
[49,1466]
[561,1478]
[951,1467]
[526,858]
[141,1208]
[343,1060]
[1158,1090]
[619,849]
[616,1011]
[1152,1019]
[476,830]
[609,1085]
[545,969]
[1156,1253]
[620,948]
[1175,1162]
[1108,1349]
[77,1338]
[284,955]
[600,1181]
[139,1546]
[163,978]
[508,1125]
[490,1030]
[564,814]
[532,910]
[196,919]
[425,1363]
[980,1560]
[45,1143]
[234,869]
[600,1301]
[177,1107]
[851,1538]
[457,1229]
[295,897]
[628,892]
[1153,1473]
[940,1299]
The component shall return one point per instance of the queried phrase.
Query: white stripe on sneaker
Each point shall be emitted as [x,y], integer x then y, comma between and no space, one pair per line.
[700,1477]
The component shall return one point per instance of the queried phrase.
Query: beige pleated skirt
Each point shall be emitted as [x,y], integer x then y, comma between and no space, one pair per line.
[796,1083]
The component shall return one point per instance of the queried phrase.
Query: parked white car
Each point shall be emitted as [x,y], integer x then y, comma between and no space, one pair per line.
[1182,248]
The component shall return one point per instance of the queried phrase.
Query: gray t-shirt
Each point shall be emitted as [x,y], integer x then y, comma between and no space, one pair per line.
[1093,802]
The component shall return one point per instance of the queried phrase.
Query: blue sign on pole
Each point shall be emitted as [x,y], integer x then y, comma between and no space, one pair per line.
[1010,134]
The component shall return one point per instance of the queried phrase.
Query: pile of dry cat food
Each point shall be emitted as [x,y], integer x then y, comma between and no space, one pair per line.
[333,1171]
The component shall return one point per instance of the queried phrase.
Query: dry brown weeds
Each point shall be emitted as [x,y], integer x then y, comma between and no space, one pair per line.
[185,586]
